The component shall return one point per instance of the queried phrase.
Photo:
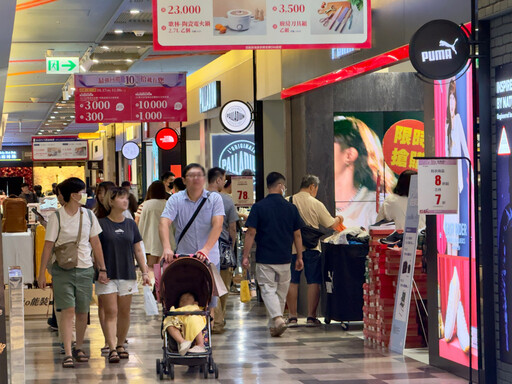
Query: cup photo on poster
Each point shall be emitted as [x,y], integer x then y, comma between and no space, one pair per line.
[338,17]
[239,17]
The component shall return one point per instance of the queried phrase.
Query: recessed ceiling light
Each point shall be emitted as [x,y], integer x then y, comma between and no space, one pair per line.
[129,60]
[55,112]
[58,130]
[39,133]
[59,107]
[52,117]
[134,11]
[72,116]
[46,124]
[118,31]
[105,47]
[95,61]
[117,71]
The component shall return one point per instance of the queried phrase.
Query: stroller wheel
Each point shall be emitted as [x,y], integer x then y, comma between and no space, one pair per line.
[205,371]
[216,370]
[170,371]
[157,366]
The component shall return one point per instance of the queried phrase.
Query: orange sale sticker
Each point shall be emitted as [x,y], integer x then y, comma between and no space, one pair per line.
[404,141]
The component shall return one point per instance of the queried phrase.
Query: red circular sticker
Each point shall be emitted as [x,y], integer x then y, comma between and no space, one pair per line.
[166,139]
[404,141]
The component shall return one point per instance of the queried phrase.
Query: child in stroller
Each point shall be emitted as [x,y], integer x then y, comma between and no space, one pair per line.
[186,329]
[186,287]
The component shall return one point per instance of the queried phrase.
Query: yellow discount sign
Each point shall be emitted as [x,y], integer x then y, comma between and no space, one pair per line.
[404,141]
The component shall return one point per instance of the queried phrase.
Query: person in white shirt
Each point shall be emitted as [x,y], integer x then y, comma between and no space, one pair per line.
[73,287]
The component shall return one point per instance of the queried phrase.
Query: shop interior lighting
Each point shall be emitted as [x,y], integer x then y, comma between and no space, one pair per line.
[59,107]
[105,47]
[118,31]
[72,116]
[83,68]
[52,117]
[117,71]
[134,11]
[95,61]
[55,112]
[46,124]
[129,60]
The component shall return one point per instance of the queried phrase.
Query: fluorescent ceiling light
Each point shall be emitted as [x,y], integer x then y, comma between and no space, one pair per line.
[95,61]
[129,60]
[46,124]
[105,47]
[117,71]
[52,117]
[55,112]
[134,11]
[59,107]
[118,31]
[72,116]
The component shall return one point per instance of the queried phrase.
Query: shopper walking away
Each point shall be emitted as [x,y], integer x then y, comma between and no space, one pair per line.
[73,272]
[314,214]
[120,240]
[197,235]
[27,195]
[227,240]
[275,225]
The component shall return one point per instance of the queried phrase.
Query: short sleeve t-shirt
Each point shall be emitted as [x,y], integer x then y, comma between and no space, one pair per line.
[117,241]
[69,232]
[275,221]
[231,216]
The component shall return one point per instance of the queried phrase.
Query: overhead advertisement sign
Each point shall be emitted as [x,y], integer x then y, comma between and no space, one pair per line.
[117,98]
[59,148]
[62,65]
[260,24]
[504,199]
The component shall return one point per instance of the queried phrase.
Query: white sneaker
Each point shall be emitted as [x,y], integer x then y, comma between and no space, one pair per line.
[197,349]
[184,347]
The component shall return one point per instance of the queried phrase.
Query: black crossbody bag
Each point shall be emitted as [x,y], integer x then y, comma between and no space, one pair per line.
[192,219]
[310,236]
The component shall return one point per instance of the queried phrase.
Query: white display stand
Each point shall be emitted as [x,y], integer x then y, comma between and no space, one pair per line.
[16,326]
[18,249]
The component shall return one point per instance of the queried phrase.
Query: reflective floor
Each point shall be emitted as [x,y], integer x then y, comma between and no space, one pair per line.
[245,353]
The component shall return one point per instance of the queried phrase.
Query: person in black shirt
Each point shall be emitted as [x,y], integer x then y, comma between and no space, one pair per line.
[30,197]
[275,224]
[120,240]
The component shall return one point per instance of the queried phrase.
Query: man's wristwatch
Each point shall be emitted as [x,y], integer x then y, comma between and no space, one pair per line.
[103,270]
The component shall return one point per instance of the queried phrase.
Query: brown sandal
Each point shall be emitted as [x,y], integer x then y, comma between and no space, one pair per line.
[113,357]
[68,362]
[123,354]
[80,356]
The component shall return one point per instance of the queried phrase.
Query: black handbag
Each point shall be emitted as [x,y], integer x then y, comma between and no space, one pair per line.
[310,236]
[227,254]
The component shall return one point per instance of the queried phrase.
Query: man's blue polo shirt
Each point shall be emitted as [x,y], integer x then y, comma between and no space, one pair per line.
[275,221]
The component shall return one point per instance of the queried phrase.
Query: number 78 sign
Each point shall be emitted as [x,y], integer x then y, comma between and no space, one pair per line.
[242,190]
[438,186]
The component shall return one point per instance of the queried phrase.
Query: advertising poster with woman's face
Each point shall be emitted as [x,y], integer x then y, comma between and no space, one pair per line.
[363,174]
[454,138]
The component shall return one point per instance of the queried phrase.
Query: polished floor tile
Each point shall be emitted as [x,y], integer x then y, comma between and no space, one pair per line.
[245,353]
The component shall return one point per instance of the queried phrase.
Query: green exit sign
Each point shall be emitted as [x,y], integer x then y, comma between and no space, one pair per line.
[62,65]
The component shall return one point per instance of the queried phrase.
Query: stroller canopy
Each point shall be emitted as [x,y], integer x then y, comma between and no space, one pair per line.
[186,274]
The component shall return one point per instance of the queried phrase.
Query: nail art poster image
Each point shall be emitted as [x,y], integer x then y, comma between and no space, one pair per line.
[454,138]
[504,200]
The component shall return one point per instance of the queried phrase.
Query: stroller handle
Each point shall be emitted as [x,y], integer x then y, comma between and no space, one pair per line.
[178,256]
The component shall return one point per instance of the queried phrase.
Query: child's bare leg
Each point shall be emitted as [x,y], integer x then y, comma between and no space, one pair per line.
[199,339]
[176,334]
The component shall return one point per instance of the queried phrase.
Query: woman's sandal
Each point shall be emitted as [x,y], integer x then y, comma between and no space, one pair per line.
[80,356]
[123,354]
[68,362]
[113,357]
[292,322]
[313,322]
[105,350]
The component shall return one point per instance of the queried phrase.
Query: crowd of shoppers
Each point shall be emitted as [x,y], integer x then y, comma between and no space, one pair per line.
[178,216]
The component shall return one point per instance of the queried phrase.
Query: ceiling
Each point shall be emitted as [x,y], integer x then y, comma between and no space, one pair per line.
[108,36]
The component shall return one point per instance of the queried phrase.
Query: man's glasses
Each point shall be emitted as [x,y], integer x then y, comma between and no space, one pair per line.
[194,176]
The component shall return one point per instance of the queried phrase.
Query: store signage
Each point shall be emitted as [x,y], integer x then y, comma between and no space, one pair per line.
[9,156]
[229,24]
[504,207]
[234,153]
[236,116]
[62,65]
[59,148]
[209,97]
[438,186]
[130,150]
[406,271]
[242,190]
[166,139]
[439,49]
[130,98]
[402,143]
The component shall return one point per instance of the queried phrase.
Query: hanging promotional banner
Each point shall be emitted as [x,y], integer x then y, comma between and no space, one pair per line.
[406,272]
[454,138]
[242,190]
[260,24]
[59,148]
[504,202]
[438,187]
[117,98]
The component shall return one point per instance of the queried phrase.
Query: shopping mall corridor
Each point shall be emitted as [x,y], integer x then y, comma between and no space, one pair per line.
[245,353]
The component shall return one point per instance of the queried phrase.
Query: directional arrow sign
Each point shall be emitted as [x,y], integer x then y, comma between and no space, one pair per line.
[62,65]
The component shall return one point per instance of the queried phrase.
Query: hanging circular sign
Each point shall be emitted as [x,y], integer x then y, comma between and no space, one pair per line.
[402,142]
[439,50]
[166,139]
[236,116]
[130,150]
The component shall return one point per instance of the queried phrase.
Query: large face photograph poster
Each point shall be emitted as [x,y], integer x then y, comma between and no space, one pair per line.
[371,149]
[504,197]
[454,138]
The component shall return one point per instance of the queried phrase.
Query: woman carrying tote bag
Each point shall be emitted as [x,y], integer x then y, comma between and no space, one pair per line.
[72,234]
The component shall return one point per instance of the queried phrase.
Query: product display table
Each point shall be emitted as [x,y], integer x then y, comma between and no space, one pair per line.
[18,249]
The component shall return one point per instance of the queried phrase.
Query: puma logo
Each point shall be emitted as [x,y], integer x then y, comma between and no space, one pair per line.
[443,43]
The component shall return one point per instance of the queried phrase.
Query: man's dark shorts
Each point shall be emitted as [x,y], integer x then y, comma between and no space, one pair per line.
[312,267]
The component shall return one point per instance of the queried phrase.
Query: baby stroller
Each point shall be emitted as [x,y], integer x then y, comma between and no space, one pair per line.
[186,274]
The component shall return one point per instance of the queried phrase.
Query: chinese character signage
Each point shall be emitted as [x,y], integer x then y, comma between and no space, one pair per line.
[454,138]
[59,148]
[260,24]
[364,170]
[438,187]
[117,98]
